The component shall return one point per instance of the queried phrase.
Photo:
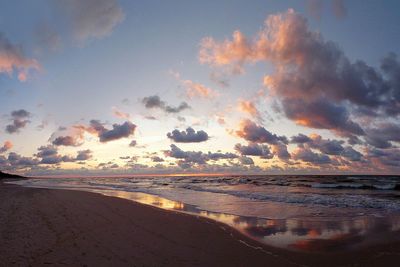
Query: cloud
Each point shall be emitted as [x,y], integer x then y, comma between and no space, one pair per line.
[193,89]
[133,143]
[120,114]
[300,139]
[252,132]
[198,90]
[351,154]
[385,157]
[49,155]
[188,136]
[117,132]
[280,150]
[246,160]
[72,136]
[247,106]
[314,82]
[12,59]
[238,52]
[157,159]
[92,19]
[326,146]
[17,161]
[6,146]
[19,120]
[182,106]
[254,149]
[154,101]
[321,114]
[306,155]
[66,141]
[84,155]
[188,158]
[383,135]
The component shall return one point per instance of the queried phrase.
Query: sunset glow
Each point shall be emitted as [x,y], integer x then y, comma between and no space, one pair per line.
[286,90]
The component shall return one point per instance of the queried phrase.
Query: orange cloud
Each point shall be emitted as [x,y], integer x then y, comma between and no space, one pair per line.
[194,89]
[248,107]
[198,90]
[6,146]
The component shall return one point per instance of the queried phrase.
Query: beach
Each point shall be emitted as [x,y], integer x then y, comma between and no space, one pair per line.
[71,228]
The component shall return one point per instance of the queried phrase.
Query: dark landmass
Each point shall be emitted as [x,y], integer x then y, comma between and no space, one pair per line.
[4,175]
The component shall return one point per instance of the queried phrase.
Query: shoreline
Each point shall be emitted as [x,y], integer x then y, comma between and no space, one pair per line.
[197,241]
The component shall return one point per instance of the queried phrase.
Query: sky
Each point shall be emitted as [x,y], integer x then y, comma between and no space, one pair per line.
[107,87]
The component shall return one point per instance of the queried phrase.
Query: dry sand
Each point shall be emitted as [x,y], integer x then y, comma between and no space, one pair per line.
[70,228]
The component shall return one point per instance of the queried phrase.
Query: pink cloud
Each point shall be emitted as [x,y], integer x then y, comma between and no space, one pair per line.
[12,59]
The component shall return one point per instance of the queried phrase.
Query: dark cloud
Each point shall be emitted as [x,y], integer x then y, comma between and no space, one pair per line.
[385,157]
[280,150]
[246,160]
[188,158]
[84,155]
[188,136]
[118,131]
[254,149]
[327,146]
[383,135]
[49,155]
[22,113]
[66,141]
[306,155]
[19,119]
[155,102]
[220,155]
[351,154]
[252,132]
[300,139]
[321,114]
[157,159]
[17,161]
[133,143]
[182,106]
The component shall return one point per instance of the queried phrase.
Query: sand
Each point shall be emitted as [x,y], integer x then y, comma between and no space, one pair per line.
[70,228]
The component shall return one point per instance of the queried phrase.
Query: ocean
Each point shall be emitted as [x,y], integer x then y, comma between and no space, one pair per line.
[299,212]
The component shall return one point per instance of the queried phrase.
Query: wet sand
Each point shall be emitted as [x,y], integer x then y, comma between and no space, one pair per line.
[70,228]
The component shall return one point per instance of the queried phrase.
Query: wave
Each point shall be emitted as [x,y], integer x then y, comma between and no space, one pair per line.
[341,201]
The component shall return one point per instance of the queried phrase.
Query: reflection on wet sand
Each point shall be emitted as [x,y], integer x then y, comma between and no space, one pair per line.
[312,235]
